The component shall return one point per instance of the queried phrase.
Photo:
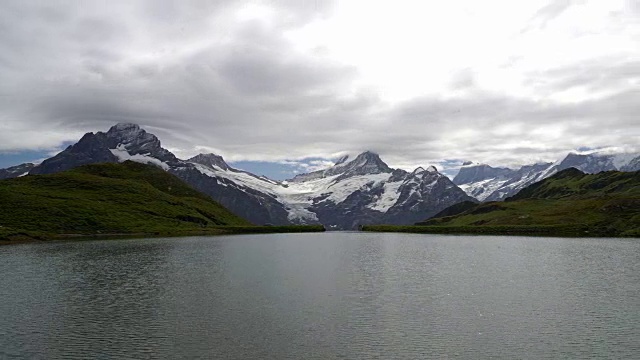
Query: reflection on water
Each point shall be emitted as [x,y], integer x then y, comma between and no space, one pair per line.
[331,295]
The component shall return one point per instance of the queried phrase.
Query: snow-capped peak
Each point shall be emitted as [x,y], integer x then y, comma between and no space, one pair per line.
[369,159]
[432,169]
[131,134]
[365,163]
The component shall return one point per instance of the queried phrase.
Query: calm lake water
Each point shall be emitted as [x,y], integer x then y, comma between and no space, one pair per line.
[322,296]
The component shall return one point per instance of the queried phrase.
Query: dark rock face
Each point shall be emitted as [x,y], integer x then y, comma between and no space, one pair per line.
[16,171]
[350,213]
[138,142]
[420,200]
[92,148]
[211,160]
[257,207]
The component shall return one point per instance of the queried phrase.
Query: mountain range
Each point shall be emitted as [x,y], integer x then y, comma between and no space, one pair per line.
[362,190]
[568,203]
[354,191]
[486,183]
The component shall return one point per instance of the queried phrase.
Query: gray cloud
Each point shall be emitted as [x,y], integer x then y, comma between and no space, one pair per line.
[548,13]
[199,79]
[607,74]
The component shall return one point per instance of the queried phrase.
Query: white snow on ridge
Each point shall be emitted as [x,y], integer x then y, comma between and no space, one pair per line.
[620,160]
[297,197]
[123,155]
[488,185]
[388,198]
[341,190]
[240,178]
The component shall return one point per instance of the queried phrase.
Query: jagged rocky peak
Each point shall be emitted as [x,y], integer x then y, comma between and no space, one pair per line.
[132,135]
[135,140]
[366,163]
[211,160]
[342,160]
[371,162]
[125,131]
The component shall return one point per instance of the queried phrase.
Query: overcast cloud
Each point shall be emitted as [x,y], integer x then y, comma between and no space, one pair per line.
[501,82]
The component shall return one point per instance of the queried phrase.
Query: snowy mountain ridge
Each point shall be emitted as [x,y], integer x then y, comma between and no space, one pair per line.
[362,190]
[352,192]
[307,197]
[486,183]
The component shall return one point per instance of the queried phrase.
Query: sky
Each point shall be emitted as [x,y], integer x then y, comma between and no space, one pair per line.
[280,87]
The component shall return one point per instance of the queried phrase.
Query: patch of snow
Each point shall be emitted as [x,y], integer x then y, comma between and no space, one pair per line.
[341,190]
[123,155]
[388,198]
[481,190]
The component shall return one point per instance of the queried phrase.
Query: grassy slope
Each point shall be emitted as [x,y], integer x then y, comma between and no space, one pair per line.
[128,198]
[568,204]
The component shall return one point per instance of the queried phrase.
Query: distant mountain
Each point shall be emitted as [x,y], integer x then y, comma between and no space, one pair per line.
[16,171]
[122,142]
[353,192]
[363,190]
[108,198]
[367,163]
[569,202]
[486,183]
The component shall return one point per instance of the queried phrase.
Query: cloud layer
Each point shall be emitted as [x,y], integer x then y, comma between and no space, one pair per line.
[288,80]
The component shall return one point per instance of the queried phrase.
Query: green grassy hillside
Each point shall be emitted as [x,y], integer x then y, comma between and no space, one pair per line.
[569,203]
[127,198]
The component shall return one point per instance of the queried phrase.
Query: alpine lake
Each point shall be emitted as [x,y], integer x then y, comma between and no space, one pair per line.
[333,295]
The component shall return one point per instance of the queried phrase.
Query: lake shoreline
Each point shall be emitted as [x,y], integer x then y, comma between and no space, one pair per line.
[10,236]
[568,231]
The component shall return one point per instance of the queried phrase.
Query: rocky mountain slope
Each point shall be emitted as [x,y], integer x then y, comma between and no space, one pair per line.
[16,171]
[362,190]
[486,183]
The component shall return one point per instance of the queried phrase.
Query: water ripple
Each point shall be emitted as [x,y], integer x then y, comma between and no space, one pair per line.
[322,296]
